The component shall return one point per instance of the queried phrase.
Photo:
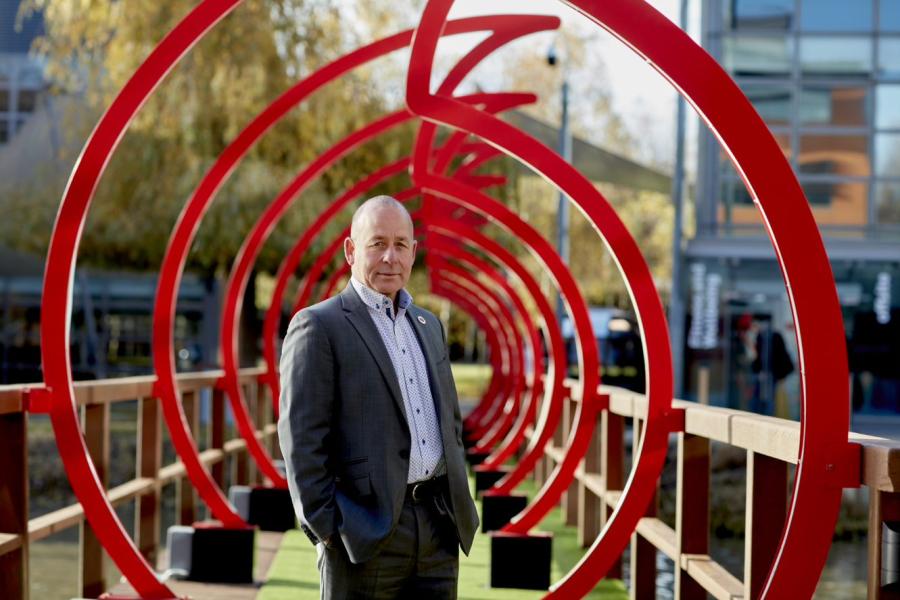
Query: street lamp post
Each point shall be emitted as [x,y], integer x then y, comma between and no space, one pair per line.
[676,299]
[565,150]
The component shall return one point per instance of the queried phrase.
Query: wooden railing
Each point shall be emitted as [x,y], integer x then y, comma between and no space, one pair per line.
[95,398]
[771,445]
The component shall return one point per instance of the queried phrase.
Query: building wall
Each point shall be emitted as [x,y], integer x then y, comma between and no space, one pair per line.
[825,76]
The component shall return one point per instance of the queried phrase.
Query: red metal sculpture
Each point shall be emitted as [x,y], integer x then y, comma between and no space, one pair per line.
[57,398]
[826,458]
[553,385]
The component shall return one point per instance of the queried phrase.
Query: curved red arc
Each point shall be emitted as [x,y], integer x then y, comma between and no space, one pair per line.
[556,348]
[56,298]
[176,254]
[447,248]
[509,407]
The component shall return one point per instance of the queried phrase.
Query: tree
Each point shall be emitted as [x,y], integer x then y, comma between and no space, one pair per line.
[92,47]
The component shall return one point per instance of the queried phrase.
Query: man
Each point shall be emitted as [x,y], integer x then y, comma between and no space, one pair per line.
[370,426]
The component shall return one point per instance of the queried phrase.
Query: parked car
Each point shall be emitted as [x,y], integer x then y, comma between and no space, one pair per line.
[619,344]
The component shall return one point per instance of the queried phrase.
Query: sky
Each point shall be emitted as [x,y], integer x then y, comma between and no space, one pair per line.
[642,98]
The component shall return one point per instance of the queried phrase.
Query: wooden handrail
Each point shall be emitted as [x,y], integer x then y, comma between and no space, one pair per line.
[769,442]
[17,532]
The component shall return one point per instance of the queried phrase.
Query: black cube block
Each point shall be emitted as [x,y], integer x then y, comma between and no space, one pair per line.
[521,560]
[486,478]
[271,509]
[476,458]
[222,555]
[498,509]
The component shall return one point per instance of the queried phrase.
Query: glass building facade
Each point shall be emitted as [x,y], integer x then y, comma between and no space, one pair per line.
[825,76]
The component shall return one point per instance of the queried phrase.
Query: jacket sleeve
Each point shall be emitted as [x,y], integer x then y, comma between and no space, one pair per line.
[304,422]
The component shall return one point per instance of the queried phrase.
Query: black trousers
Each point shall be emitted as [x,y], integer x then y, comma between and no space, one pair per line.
[420,560]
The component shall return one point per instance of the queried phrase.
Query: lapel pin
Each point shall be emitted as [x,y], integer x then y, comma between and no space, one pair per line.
[421,319]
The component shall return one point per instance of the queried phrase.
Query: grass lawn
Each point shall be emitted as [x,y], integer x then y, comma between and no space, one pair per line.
[294,576]
[471,379]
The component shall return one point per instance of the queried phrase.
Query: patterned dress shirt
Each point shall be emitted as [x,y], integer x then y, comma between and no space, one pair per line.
[426,457]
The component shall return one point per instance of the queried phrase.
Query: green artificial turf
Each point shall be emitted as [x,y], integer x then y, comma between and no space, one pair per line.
[294,576]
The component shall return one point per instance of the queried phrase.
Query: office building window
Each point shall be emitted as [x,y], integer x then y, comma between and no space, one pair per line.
[887,202]
[4,100]
[889,15]
[832,154]
[754,56]
[835,15]
[26,101]
[772,102]
[759,14]
[889,57]
[836,106]
[887,155]
[835,56]
[887,106]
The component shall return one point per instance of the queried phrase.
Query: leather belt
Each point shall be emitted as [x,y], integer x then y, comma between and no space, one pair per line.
[420,490]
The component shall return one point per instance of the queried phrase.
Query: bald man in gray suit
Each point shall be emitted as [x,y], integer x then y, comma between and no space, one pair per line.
[370,426]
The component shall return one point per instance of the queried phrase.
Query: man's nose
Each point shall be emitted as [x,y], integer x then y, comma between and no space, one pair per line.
[390,255]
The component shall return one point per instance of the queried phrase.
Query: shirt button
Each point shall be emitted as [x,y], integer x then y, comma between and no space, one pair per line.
[418,411]
[410,379]
[403,350]
[426,471]
[423,441]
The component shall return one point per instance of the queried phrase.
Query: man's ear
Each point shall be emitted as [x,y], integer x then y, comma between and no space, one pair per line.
[415,245]
[349,247]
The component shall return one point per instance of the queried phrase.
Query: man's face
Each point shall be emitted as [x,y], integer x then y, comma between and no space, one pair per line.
[382,250]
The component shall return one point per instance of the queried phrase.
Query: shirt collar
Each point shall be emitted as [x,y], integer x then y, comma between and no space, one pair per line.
[379,301]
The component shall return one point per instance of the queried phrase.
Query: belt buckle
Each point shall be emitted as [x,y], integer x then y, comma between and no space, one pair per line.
[415,489]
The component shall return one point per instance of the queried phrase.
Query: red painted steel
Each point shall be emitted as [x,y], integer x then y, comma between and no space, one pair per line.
[651,454]
[240,273]
[504,28]
[509,408]
[56,298]
[562,278]
[792,229]
[58,287]
[437,244]
[499,214]
[824,448]
[292,259]
[553,385]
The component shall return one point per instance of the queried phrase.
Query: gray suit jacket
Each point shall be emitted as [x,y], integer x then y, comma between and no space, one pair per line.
[343,430]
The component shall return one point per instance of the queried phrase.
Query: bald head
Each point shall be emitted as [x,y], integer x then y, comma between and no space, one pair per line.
[381,248]
[373,205]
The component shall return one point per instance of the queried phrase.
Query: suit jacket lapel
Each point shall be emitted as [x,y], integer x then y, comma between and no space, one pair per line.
[357,313]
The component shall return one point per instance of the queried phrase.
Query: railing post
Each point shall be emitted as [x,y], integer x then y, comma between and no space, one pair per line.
[149,457]
[691,510]
[883,506]
[643,552]
[266,416]
[589,505]
[96,437]
[14,503]
[765,514]
[260,421]
[570,507]
[187,509]
[612,467]
[242,468]
[217,434]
